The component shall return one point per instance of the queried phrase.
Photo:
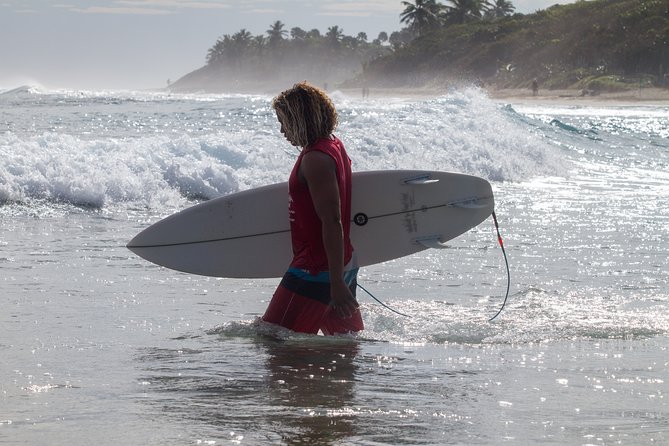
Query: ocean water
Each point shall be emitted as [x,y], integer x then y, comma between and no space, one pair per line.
[101,347]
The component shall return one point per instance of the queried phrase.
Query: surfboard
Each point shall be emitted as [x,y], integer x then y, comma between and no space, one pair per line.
[247,234]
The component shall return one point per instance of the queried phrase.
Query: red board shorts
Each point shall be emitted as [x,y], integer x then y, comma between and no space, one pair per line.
[302,303]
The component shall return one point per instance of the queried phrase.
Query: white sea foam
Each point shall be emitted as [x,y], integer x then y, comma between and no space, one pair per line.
[96,149]
[153,171]
[464,132]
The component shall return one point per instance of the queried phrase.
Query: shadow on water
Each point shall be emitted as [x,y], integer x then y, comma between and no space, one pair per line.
[260,390]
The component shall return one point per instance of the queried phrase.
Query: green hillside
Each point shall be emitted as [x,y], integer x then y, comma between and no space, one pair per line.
[601,44]
[604,45]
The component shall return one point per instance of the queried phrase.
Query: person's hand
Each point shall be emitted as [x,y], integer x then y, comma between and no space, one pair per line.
[343,302]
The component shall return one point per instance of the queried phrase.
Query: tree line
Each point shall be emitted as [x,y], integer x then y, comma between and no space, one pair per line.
[581,44]
[425,16]
[420,17]
[281,42]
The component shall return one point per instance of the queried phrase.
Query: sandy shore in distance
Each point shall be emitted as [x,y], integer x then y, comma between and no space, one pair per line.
[647,96]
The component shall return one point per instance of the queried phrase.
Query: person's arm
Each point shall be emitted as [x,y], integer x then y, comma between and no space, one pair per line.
[319,171]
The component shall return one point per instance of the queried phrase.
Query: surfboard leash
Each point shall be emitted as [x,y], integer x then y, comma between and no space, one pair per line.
[508,277]
[506,261]
[380,302]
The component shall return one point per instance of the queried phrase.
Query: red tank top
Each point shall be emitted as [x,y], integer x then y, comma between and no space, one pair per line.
[305,226]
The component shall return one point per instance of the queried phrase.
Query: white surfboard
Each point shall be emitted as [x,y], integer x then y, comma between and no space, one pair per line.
[247,234]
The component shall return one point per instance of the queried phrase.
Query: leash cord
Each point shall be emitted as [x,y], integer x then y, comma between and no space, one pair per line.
[506,261]
[382,304]
[508,278]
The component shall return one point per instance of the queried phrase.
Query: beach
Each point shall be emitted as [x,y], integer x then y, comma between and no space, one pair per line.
[647,95]
[650,96]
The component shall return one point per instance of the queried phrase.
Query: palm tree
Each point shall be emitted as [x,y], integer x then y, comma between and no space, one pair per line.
[240,43]
[400,38]
[216,53]
[258,44]
[464,11]
[350,42]
[230,48]
[499,8]
[298,33]
[334,36]
[422,16]
[242,38]
[314,34]
[276,33]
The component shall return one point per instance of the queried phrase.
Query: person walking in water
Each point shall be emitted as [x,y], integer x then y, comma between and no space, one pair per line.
[317,292]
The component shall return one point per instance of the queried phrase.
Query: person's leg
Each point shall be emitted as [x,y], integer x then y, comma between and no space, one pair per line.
[295,312]
[333,324]
[301,303]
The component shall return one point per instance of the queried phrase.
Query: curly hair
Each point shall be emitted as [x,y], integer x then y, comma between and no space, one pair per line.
[306,114]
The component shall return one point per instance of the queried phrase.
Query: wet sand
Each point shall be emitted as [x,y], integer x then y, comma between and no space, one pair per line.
[647,96]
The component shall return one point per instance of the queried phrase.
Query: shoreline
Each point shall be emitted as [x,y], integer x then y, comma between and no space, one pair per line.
[639,96]
[642,96]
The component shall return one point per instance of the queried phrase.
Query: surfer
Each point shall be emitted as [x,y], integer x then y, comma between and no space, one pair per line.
[317,292]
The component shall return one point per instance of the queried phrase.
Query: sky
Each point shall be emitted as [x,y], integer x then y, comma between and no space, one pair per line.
[140,44]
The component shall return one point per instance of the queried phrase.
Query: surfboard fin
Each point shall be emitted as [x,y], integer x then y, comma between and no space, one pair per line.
[432,242]
[421,179]
[473,203]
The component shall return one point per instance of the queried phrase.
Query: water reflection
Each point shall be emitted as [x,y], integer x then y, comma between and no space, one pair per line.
[311,388]
[254,391]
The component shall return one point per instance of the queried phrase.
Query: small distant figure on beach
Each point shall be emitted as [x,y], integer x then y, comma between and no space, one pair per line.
[365,92]
[589,92]
[666,81]
[535,87]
